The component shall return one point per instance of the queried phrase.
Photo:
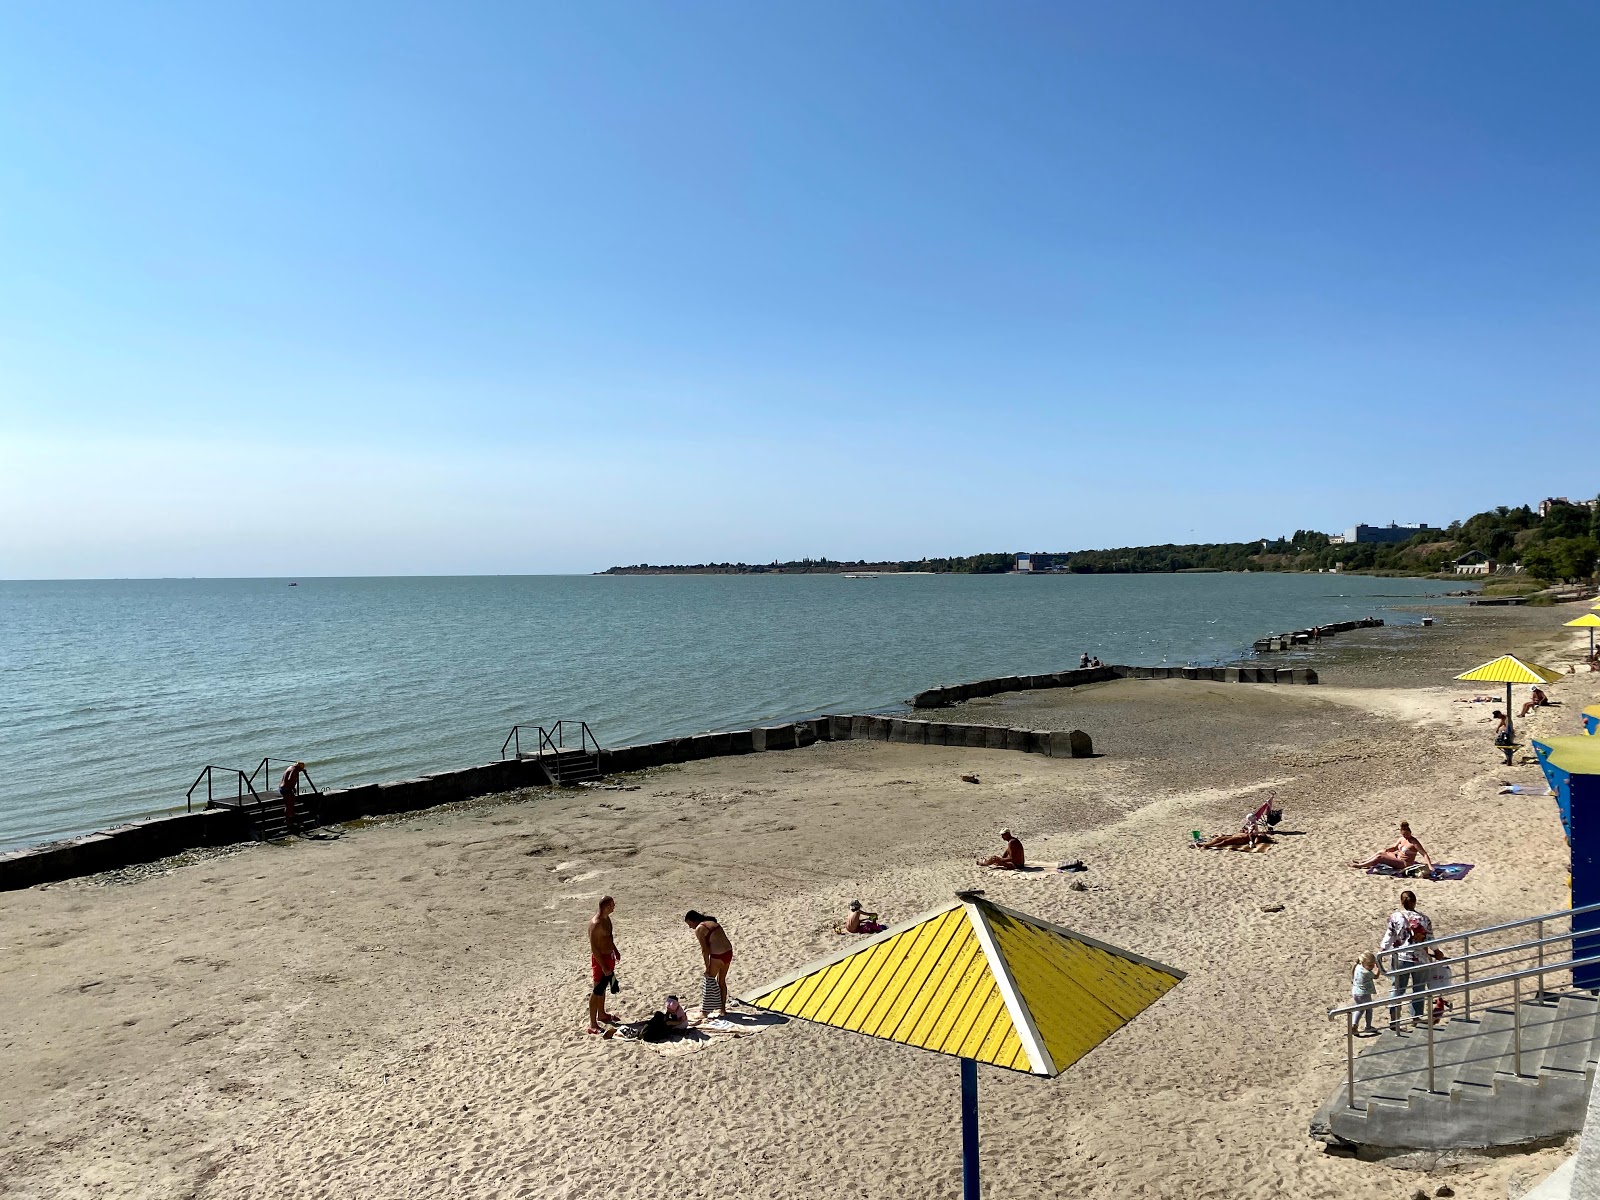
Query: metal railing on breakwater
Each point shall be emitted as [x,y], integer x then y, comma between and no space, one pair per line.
[160,837]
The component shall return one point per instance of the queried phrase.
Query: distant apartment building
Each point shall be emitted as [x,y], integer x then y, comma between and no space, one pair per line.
[1381,533]
[1024,562]
[1550,502]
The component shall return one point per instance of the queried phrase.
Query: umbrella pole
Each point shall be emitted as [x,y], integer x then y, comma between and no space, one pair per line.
[1510,733]
[969,1129]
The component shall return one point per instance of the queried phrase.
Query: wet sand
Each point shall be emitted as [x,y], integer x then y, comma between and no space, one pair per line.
[400,1011]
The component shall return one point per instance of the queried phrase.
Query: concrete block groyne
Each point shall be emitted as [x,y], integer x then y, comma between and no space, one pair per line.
[161,837]
[943,697]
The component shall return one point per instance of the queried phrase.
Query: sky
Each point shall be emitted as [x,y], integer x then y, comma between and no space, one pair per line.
[426,288]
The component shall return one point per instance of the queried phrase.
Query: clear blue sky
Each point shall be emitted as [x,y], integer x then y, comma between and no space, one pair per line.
[370,288]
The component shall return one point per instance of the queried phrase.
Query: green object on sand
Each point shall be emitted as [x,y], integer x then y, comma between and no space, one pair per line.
[1195,834]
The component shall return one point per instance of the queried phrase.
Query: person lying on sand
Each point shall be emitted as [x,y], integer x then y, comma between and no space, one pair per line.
[1398,856]
[1480,699]
[1245,839]
[861,921]
[1537,700]
[1011,860]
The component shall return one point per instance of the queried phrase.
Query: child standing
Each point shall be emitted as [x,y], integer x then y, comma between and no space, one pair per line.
[1438,977]
[1364,983]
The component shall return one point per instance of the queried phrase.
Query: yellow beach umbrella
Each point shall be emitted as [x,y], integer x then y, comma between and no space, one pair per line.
[981,983]
[1588,621]
[1509,669]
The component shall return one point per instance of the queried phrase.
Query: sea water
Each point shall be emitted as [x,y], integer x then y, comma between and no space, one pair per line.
[113,694]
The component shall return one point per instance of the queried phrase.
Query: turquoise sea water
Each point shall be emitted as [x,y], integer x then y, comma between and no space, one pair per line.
[113,694]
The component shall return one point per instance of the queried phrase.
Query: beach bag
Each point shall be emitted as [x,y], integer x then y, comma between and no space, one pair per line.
[656,1029]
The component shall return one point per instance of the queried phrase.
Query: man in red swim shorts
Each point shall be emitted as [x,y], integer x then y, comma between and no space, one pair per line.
[603,959]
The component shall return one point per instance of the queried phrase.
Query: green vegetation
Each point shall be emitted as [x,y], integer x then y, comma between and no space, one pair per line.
[1563,545]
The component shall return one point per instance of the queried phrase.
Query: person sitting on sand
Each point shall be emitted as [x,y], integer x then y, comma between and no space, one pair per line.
[1011,860]
[1398,856]
[675,1015]
[1537,700]
[716,950]
[861,921]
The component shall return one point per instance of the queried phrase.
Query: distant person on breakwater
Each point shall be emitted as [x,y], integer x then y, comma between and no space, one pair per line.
[1012,860]
[603,959]
[1083,661]
[717,951]
[288,789]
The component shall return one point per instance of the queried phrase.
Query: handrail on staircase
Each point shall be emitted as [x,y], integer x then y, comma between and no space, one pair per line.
[1539,920]
[264,768]
[554,739]
[242,782]
[1352,1012]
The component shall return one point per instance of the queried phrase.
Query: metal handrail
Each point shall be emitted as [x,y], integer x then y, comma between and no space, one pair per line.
[264,767]
[1549,916]
[1466,985]
[243,782]
[1426,997]
[553,739]
[1537,944]
[514,736]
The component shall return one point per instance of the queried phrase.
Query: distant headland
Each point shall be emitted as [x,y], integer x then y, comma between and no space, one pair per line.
[1559,540]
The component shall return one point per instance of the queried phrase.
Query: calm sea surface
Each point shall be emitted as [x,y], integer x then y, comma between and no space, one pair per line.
[113,694]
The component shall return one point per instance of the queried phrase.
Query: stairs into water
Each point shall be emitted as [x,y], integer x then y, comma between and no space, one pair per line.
[1484,1094]
[569,768]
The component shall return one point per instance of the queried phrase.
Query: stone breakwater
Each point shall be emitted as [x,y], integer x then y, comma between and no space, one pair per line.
[1305,637]
[941,697]
[160,837]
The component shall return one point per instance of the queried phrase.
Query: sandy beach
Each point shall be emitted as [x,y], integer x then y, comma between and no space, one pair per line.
[399,1011]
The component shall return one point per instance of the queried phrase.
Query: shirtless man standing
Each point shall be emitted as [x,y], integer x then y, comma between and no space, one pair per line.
[716,950]
[603,959]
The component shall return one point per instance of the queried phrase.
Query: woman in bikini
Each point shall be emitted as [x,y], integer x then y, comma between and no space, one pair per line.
[716,950]
[1400,855]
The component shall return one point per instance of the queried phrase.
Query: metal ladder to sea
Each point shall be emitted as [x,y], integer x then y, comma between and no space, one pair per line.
[568,751]
[256,795]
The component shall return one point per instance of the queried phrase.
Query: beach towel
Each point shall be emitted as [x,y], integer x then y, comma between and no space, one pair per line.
[710,994]
[708,1033]
[1441,871]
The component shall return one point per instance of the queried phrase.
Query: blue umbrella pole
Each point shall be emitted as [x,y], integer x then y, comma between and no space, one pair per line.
[969,1129]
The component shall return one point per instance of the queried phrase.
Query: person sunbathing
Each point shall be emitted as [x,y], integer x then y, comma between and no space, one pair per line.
[1245,839]
[1399,856]
[1537,700]
[1011,860]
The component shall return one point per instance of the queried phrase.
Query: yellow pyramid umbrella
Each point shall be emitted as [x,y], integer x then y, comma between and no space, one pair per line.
[981,983]
[1509,669]
[1588,621]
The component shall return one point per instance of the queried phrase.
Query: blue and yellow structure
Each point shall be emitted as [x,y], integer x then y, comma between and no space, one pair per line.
[1571,766]
[981,983]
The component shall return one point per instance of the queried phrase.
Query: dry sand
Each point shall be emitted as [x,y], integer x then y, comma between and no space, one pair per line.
[399,1012]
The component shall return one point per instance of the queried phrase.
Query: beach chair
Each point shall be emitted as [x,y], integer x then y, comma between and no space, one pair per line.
[1263,818]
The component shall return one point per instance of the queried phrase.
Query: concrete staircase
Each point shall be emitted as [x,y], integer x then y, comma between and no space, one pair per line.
[1479,1098]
